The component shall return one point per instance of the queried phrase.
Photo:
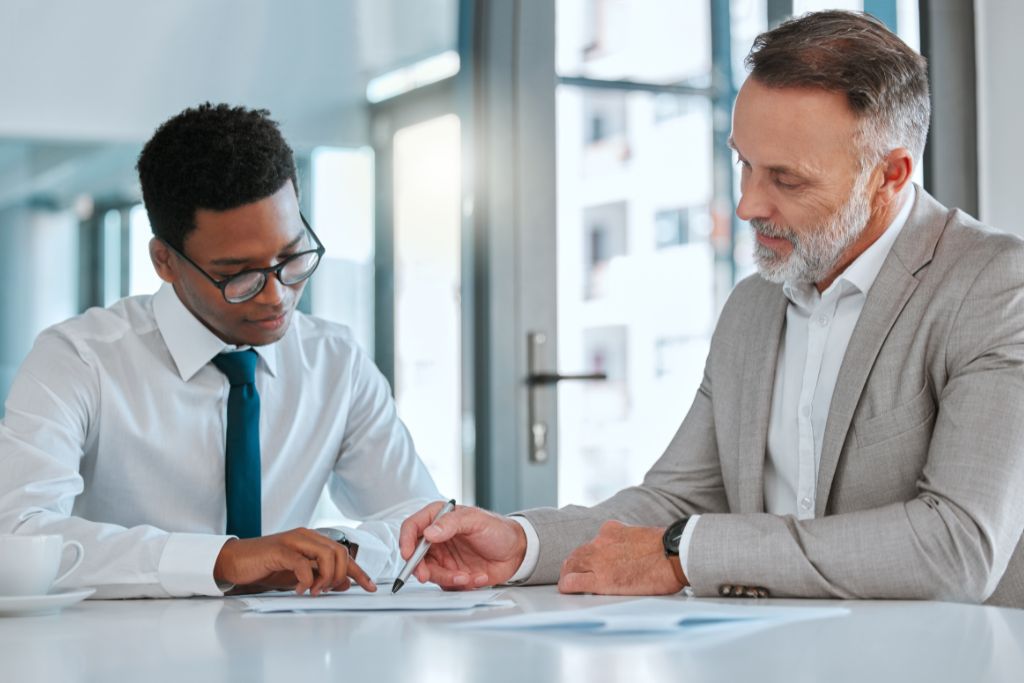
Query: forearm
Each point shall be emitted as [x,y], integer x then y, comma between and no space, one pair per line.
[136,562]
[37,493]
[921,549]
[560,531]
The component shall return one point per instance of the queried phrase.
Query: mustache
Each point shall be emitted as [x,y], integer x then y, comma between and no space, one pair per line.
[768,229]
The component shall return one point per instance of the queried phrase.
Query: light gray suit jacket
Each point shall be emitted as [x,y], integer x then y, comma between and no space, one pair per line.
[920,491]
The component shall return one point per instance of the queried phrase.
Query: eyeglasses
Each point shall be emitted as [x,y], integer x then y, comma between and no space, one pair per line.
[247,284]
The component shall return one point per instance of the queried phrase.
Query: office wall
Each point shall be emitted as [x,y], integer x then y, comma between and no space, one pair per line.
[998,25]
[112,70]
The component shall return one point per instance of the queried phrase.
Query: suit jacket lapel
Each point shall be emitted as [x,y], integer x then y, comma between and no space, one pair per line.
[890,292]
[758,382]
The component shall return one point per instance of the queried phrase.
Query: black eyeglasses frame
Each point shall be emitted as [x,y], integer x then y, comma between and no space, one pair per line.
[265,272]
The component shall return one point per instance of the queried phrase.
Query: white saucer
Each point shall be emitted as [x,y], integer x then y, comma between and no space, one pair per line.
[35,605]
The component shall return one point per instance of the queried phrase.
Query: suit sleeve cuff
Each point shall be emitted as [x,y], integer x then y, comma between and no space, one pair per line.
[186,564]
[532,551]
[684,544]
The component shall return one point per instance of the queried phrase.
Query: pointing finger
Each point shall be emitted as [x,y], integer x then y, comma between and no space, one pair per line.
[361,577]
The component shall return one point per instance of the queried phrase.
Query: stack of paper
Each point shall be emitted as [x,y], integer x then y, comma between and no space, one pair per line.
[410,598]
[658,615]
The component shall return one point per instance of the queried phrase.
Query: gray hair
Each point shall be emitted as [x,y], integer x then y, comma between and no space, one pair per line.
[884,80]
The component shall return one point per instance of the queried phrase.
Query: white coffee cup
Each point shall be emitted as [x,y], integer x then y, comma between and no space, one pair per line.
[29,564]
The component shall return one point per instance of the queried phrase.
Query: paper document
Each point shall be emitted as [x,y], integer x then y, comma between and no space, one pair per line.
[658,615]
[411,598]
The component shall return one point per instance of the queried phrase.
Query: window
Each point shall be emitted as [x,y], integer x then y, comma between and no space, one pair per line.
[643,224]
[669,106]
[428,314]
[675,227]
[142,278]
[342,215]
[605,228]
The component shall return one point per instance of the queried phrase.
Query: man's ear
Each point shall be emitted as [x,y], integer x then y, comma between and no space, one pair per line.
[165,265]
[897,168]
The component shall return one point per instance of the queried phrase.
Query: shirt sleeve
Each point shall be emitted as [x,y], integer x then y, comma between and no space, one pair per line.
[532,551]
[52,411]
[378,477]
[684,543]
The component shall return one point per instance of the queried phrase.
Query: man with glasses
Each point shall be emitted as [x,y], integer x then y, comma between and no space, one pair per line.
[184,438]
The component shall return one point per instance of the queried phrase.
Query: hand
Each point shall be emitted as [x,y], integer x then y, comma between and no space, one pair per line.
[315,562]
[622,560]
[278,581]
[470,547]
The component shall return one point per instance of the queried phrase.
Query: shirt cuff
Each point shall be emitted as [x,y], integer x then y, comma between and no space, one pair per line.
[684,544]
[532,551]
[186,564]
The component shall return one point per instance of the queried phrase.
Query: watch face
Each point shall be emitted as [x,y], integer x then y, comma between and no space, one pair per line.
[339,536]
[672,535]
[333,534]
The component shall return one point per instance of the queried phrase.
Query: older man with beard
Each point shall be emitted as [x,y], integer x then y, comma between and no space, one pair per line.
[858,430]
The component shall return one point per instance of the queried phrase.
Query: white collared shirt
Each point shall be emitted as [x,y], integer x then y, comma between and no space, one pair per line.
[114,435]
[818,330]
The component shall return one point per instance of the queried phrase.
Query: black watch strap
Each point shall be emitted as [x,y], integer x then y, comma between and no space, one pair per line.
[670,539]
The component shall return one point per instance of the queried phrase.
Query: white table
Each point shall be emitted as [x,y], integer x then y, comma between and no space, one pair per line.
[191,641]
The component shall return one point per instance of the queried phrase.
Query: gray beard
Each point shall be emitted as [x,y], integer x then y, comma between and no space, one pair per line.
[816,253]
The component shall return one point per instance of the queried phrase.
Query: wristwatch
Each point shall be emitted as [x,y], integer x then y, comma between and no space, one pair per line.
[670,539]
[339,536]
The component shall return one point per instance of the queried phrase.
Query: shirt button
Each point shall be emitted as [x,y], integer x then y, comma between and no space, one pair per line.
[823,320]
[806,411]
[806,503]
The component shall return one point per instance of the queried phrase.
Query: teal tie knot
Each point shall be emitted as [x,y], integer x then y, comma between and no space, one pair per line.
[239,366]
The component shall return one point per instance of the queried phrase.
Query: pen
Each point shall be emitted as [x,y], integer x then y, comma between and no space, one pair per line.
[421,550]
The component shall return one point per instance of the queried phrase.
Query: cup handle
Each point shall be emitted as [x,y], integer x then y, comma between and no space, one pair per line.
[79,556]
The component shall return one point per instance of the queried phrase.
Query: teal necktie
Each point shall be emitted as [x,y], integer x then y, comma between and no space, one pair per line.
[242,461]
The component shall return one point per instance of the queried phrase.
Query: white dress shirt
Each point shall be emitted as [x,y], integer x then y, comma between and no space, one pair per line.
[114,435]
[818,330]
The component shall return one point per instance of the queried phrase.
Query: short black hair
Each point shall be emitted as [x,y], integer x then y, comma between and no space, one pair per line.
[215,157]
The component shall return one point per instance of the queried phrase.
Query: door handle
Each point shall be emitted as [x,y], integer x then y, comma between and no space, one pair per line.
[540,378]
[538,435]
